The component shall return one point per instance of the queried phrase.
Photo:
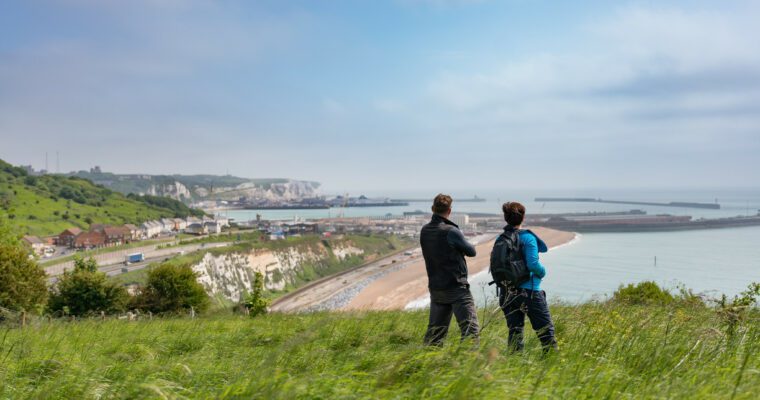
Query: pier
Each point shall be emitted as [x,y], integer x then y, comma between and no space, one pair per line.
[681,204]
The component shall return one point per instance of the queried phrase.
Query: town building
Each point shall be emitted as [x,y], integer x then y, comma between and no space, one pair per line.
[66,238]
[196,228]
[180,224]
[116,235]
[151,229]
[134,232]
[213,227]
[167,225]
[89,240]
[37,245]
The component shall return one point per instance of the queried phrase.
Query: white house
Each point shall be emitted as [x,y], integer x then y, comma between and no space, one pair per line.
[196,229]
[222,221]
[167,225]
[213,227]
[151,229]
[180,224]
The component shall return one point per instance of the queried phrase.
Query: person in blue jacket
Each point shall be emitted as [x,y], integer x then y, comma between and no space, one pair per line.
[527,299]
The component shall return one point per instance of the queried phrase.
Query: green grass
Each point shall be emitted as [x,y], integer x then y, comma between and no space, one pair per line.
[46,205]
[607,351]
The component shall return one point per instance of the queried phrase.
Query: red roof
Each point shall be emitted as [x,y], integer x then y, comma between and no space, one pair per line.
[71,232]
[90,239]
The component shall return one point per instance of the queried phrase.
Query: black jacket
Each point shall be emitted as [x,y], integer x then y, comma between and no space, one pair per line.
[444,248]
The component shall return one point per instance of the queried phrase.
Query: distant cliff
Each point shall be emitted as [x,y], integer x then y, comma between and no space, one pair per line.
[190,188]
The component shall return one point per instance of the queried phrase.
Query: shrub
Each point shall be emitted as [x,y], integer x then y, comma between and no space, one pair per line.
[733,313]
[22,281]
[646,292]
[85,290]
[255,302]
[171,288]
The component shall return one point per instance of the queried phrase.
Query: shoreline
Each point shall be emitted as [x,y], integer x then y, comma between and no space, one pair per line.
[400,289]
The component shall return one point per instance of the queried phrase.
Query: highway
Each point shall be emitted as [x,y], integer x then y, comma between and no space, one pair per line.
[112,263]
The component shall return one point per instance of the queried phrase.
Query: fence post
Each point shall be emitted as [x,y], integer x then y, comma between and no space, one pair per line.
[150,315]
[192,312]
[23,319]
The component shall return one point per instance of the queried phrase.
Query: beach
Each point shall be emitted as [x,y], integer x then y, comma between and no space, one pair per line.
[399,288]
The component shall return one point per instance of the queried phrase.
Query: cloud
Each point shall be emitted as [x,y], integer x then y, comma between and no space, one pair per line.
[641,62]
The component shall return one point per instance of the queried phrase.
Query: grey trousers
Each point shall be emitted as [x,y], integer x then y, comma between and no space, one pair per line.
[443,304]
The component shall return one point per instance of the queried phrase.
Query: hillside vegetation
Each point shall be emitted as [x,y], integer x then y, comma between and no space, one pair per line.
[48,204]
[608,350]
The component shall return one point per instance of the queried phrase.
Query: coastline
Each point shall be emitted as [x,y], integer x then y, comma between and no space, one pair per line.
[407,287]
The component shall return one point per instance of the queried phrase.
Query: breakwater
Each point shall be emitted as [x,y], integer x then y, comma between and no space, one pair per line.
[681,204]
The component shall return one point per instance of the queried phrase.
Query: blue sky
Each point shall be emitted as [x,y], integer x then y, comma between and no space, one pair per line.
[371,95]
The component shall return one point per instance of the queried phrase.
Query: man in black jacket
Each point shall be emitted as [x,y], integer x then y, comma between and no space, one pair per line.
[444,248]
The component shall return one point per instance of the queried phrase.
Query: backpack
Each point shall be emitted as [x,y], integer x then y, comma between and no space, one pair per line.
[508,267]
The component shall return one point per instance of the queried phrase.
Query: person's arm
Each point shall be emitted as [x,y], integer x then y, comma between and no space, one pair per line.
[456,240]
[530,249]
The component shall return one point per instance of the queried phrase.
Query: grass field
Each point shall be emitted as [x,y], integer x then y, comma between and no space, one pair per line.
[607,351]
[46,205]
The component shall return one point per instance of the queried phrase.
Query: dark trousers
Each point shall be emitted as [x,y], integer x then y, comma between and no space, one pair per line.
[516,303]
[443,304]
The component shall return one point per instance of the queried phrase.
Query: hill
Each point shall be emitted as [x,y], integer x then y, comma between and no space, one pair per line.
[188,188]
[607,351]
[47,204]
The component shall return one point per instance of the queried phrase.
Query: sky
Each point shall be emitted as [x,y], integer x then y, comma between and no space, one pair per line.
[399,94]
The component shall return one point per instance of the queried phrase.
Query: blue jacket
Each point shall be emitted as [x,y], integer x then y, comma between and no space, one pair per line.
[532,245]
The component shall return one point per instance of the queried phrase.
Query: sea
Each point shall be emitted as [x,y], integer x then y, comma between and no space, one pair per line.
[594,265]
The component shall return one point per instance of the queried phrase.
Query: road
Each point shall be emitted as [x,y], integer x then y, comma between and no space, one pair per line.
[113,262]
[335,290]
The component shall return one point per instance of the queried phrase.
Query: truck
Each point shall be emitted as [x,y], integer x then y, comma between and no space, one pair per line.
[134,258]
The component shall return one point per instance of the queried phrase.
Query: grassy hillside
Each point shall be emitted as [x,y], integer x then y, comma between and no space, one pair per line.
[46,205]
[607,351]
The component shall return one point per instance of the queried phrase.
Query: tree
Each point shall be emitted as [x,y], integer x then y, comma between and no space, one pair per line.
[255,301]
[22,281]
[172,288]
[85,290]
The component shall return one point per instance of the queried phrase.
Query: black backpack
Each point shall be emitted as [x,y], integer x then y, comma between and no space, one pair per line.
[508,267]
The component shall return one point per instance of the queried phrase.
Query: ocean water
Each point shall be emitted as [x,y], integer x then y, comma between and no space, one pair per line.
[710,262]
[733,203]
[593,266]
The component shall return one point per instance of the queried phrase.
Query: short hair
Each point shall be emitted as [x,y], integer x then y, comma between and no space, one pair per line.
[442,203]
[514,213]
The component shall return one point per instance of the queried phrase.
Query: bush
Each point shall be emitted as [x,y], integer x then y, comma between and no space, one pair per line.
[171,288]
[733,313]
[646,293]
[85,290]
[255,302]
[22,281]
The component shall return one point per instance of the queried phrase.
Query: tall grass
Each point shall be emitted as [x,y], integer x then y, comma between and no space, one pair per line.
[607,351]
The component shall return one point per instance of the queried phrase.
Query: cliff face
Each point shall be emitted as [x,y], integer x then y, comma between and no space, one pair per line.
[272,191]
[175,190]
[203,187]
[231,275]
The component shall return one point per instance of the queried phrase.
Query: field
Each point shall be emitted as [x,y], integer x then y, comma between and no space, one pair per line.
[46,205]
[607,351]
